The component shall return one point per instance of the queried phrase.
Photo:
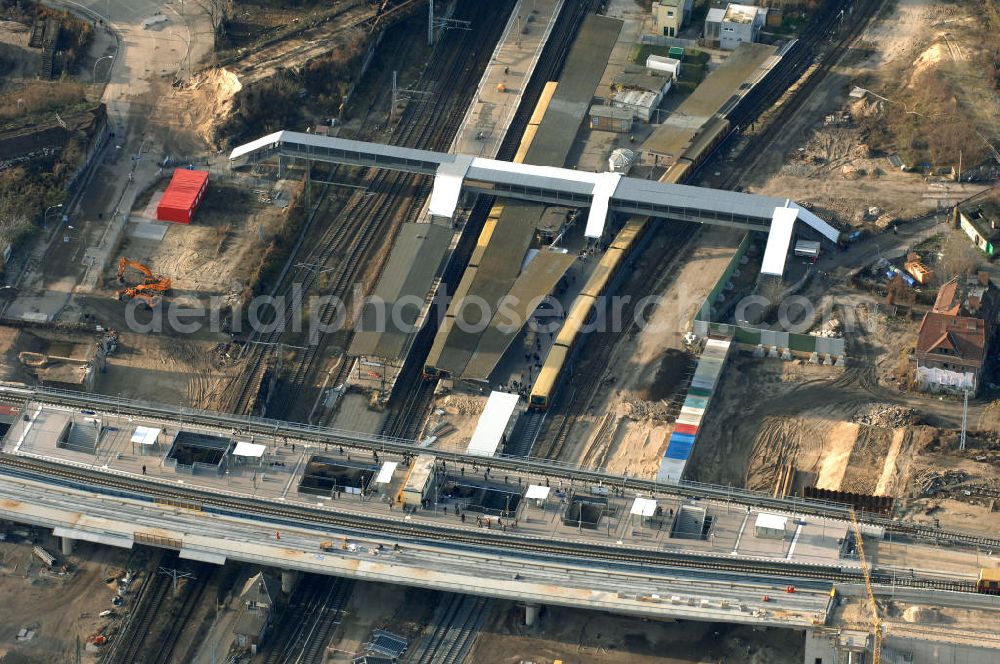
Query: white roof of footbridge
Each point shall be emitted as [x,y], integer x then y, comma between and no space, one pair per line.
[598,191]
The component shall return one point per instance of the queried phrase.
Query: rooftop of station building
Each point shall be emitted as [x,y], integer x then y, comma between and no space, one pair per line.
[721,84]
[475,354]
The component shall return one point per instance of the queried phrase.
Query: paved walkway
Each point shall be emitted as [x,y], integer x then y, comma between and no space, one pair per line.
[888,245]
[80,246]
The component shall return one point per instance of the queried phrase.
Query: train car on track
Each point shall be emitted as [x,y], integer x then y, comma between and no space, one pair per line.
[989,582]
[601,282]
[432,370]
[544,387]
[419,484]
[704,143]
[578,316]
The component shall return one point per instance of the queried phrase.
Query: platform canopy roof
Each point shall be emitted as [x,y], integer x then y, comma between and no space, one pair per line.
[492,423]
[385,472]
[778,240]
[145,435]
[643,507]
[537,492]
[252,450]
[771,521]
[600,192]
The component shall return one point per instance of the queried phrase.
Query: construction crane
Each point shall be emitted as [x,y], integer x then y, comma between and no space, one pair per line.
[876,621]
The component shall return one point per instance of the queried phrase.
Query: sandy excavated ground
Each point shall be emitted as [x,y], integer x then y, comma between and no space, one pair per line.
[58,608]
[628,422]
[459,411]
[831,167]
[578,637]
[217,253]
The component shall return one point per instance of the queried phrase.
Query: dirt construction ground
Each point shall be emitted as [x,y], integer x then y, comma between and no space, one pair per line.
[57,608]
[842,169]
[627,423]
[581,637]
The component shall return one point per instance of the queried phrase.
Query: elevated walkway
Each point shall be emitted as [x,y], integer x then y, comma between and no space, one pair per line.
[600,192]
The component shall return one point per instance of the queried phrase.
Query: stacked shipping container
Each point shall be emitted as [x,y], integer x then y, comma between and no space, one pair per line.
[699,396]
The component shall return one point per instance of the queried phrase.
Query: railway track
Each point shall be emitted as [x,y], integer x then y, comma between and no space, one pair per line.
[306,625]
[388,200]
[152,632]
[607,556]
[332,438]
[194,593]
[412,395]
[601,346]
[127,645]
[810,50]
[456,625]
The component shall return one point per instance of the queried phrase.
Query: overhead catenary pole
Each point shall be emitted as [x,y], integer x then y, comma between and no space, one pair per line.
[965,421]
[430,23]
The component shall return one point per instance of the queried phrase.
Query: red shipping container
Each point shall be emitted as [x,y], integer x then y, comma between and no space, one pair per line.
[689,429]
[183,196]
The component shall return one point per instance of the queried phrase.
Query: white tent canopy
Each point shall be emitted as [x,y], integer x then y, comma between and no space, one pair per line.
[385,473]
[536,492]
[645,507]
[145,436]
[492,424]
[252,450]
[771,521]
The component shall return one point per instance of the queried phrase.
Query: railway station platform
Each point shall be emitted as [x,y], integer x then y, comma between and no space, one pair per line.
[414,265]
[305,474]
[721,89]
[507,75]
[488,511]
[530,531]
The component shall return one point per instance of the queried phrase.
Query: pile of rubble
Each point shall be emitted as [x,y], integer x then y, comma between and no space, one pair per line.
[637,409]
[932,482]
[885,415]
[831,329]
[463,406]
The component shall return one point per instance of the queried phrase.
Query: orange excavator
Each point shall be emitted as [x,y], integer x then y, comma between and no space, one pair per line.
[150,288]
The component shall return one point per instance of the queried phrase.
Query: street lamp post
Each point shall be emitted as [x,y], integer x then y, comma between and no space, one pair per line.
[46,214]
[94,75]
[187,44]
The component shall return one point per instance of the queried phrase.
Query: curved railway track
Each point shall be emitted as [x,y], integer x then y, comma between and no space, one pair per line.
[282,515]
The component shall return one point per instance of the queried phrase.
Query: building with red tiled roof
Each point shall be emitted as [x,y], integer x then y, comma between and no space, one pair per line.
[952,347]
[949,300]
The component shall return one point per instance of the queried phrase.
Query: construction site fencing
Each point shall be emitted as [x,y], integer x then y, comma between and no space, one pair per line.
[797,342]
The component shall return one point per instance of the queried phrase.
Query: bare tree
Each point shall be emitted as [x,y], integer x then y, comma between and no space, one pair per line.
[219,12]
[959,257]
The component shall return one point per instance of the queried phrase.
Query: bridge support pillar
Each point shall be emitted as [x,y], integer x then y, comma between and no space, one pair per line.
[530,614]
[288,580]
[66,545]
